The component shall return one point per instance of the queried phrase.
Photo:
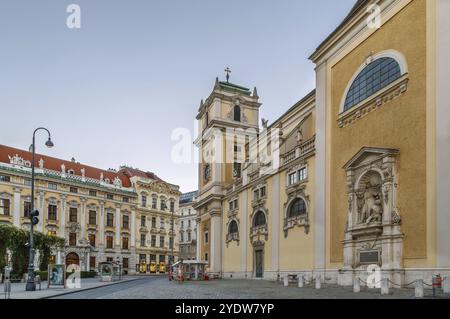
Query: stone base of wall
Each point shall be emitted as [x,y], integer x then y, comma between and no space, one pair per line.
[398,277]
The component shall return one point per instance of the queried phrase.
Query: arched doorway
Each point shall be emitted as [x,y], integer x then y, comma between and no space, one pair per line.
[72,258]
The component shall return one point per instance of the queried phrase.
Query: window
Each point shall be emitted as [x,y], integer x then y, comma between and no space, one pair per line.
[27,181]
[189,236]
[110,220]
[233,228]
[189,223]
[161,241]
[163,204]
[125,199]
[91,238]
[5,178]
[154,202]
[153,240]
[181,237]
[125,263]
[170,242]
[259,219]
[125,222]
[143,240]
[92,262]
[73,214]
[262,191]
[206,256]
[109,259]
[71,172]
[172,206]
[237,170]
[52,212]
[52,186]
[26,209]
[93,193]
[73,189]
[292,178]
[109,196]
[206,172]
[297,208]
[4,207]
[374,77]
[162,223]
[144,201]
[72,239]
[206,238]
[302,174]
[125,243]
[142,221]
[233,204]
[237,113]
[153,222]
[92,217]
[256,194]
[109,242]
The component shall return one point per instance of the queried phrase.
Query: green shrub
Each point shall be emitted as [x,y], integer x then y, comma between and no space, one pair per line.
[42,274]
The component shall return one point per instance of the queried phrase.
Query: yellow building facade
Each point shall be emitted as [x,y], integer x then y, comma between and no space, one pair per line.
[356,173]
[102,214]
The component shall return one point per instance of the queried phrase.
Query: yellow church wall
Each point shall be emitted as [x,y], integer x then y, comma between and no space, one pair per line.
[399,124]
[297,250]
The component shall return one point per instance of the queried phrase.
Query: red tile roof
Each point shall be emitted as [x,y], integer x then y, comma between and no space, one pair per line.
[131,172]
[53,163]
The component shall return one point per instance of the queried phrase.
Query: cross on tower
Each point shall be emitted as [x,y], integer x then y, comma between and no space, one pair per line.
[228,71]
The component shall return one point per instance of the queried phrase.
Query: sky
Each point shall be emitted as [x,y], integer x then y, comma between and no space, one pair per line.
[113,91]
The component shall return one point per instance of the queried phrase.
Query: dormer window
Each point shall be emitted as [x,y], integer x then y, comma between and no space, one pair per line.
[71,172]
[237,113]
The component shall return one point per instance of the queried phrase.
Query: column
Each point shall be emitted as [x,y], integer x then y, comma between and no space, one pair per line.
[62,224]
[117,226]
[17,206]
[198,241]
[215,243]
[244,231]
[133,257]
[320,169]
[275,222]
[83,217]
[102,223]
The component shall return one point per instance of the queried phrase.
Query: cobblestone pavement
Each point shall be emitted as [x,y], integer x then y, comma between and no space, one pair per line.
[161,288]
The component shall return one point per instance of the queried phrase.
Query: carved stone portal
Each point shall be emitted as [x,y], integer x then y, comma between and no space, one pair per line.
[373,218]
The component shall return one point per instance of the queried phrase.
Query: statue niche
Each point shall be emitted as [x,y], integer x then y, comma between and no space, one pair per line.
[369,199]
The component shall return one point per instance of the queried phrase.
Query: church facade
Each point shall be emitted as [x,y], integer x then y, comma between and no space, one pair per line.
[353,175]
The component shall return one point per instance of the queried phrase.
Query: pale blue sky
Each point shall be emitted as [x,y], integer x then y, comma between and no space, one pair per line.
[113,91]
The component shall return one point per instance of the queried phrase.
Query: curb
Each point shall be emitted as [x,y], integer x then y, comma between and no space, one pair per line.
[90,288]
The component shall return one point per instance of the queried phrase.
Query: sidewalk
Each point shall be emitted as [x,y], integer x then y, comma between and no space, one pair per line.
[18,289]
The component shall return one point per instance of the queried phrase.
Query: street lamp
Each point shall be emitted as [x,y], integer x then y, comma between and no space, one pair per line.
[31,286]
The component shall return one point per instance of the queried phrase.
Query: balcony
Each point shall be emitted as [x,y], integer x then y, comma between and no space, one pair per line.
[304,149]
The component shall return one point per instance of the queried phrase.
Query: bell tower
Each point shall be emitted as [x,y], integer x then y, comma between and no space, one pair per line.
[230,108]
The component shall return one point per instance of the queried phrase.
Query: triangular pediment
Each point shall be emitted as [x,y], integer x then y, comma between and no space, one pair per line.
[368,155]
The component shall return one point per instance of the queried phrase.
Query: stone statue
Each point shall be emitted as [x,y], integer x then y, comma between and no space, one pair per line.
[101,176]
[369,204]
[41,163]
[376,211]
[264,123]
[63,168]
[83,172]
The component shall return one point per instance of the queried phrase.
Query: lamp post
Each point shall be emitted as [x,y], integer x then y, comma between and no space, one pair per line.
[31,286]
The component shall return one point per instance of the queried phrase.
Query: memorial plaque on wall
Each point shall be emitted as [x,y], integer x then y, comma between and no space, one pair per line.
[369,257]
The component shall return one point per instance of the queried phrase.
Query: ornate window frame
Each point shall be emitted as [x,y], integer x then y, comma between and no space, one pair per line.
[232,236]
[380,97]
[256,232]
[301,220]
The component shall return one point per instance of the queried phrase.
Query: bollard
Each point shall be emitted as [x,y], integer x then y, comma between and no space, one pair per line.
[286,280]
[356,285]
[446,285]
[300,281]
[318,283]
[418,292]
[384,286]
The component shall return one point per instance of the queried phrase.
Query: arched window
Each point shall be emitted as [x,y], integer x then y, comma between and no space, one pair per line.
[237,113]
[374,77]
[259,219]
[297,208]
[233,228]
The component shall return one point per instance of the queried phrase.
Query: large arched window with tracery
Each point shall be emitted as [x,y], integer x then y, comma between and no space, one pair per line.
[259,219]
[297,208]
[375,76]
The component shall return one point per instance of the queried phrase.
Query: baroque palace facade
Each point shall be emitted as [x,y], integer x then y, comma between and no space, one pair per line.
[357,172]
[122,216]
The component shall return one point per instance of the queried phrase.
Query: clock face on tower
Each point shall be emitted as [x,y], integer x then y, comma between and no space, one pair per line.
[207,172]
